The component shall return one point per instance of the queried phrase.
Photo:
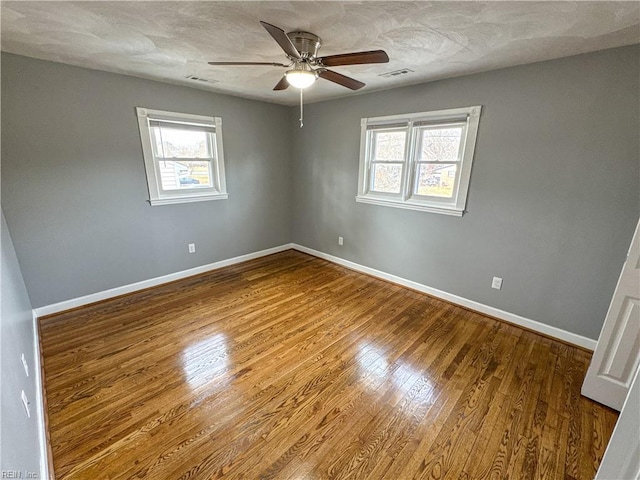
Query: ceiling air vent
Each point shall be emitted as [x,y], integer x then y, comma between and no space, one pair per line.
[199,79]
[396,73]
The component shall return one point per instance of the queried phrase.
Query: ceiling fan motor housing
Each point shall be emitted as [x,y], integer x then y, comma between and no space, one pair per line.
[306,43]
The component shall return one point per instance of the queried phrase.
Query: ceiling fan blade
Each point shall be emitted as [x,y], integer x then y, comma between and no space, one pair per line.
[340,79]
[282,39]
[283,84]
[357,58]
[273,64]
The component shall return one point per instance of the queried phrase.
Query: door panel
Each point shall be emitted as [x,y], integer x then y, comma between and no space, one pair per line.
[622,458]
[617,355]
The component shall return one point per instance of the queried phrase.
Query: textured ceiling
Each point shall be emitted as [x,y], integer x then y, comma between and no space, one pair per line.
[168,41]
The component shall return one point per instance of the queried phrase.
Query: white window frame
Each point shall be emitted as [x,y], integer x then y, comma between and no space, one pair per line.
[413,124]
[159,196]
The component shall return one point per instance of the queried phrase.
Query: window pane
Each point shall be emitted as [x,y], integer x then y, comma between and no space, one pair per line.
[174,142]
[436,180]
[182,175]
[389,146]
[387,178]
[441,144]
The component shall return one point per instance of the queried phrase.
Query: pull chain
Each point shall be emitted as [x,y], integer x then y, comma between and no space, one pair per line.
[301,111]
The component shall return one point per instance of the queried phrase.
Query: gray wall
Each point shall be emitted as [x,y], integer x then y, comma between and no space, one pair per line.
[554,194]
[19,446]
[74,190]
[553,201]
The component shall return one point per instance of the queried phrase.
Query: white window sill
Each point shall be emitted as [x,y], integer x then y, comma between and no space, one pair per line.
[409,205]
[199,198]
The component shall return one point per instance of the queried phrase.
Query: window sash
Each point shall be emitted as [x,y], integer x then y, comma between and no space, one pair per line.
[210,139]
[371,152]
[436,198]
[213,179]
[372,142]
[214,184]
[439,126]
[372,178]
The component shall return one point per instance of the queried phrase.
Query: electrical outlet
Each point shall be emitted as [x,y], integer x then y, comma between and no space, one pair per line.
[25,365]
[192,248]
[496,283]
[25,403]
[340,241]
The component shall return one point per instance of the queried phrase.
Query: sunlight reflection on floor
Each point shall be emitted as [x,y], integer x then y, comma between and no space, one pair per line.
[375,371]
[205,360]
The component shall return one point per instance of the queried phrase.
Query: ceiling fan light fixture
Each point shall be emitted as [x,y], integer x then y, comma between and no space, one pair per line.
[301,78]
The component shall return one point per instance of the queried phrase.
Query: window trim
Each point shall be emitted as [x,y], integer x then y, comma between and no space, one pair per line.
[412,122]
[158,196]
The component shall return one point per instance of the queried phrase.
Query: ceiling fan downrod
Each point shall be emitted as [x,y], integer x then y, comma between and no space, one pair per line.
[301,111]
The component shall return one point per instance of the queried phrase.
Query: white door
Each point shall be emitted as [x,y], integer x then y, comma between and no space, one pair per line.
[621,460]
[617,353]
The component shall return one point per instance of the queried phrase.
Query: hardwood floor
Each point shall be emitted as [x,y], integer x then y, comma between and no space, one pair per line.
[290,367]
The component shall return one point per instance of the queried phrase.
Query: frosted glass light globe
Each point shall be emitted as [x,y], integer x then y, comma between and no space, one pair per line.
[300,78]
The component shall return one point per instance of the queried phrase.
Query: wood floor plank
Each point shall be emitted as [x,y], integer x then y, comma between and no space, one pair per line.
[290,367]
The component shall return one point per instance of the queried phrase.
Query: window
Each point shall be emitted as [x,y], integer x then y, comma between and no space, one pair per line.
[419,161]
[182,156]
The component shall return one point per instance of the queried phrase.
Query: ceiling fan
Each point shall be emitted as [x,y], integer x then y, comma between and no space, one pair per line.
[301,48]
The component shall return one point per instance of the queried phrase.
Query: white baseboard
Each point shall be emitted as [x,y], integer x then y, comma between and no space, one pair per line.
[134,287]
[45,471]
[542,328]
